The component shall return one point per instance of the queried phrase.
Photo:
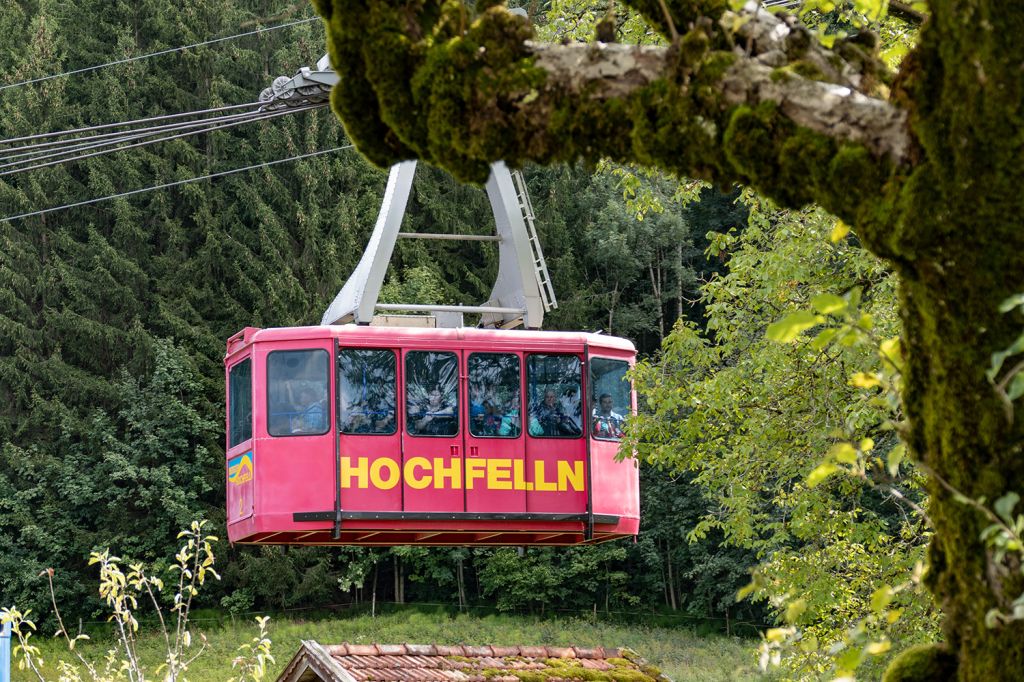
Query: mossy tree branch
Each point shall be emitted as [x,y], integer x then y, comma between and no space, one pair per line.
[748,98]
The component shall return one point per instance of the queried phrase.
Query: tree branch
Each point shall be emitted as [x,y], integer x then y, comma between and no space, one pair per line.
[744,97]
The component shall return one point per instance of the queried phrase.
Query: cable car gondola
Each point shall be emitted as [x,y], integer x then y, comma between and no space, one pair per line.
[359,432]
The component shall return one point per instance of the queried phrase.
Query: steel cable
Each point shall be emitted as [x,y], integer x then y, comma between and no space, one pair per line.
[158,53]
[174,184]
[117,145]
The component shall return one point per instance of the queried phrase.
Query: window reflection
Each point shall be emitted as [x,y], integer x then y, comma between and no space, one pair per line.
[367,382]
[610,398]
[297,392]
[553,385]
[431,393]
[494,402]
[240,403]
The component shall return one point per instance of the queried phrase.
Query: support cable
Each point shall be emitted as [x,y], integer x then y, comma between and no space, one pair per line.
[103,126]
[121,147]
[46,149]
[158,53]
[174,184]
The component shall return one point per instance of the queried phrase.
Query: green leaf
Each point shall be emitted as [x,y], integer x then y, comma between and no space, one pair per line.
[894,458]
[878,648]
[795,609]
[823,339]
[881,598]
[839,231]
[1005,504]
[1012,302]
[746,591]
[844,453]
[865,380]
[789,328]
[1016,388]
[826,304]
[820,473]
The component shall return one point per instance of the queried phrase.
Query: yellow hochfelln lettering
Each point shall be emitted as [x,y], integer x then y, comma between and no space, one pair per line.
[538,478]
[417,482]
[570,473]
[475,468]
[499,473]
[379,481]
[360,472]
[452,474]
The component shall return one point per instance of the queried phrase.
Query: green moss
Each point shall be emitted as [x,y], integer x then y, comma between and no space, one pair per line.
[924,663]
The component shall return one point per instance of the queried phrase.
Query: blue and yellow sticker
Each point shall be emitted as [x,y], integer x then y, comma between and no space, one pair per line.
[240,468]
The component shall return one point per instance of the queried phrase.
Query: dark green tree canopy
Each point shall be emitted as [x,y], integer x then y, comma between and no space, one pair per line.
[925,165]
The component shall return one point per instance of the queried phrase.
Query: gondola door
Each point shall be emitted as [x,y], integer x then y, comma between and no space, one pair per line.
[370,443]
[496,476]
[432,441]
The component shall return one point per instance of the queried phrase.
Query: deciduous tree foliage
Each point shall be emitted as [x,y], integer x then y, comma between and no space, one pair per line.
[929,177]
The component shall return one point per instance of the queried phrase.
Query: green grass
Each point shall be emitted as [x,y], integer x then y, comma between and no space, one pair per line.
[681,654]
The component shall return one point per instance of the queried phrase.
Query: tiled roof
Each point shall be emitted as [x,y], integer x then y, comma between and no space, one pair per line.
[438,663]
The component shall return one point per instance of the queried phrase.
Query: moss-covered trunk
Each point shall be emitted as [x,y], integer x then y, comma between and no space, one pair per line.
[958,242]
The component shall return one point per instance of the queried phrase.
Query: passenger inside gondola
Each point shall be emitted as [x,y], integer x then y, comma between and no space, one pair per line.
[607,422]
[367,381]
[435,416]
[549,418]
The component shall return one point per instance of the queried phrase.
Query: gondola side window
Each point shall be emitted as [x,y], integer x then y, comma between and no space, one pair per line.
[297,390]
[610,398]
[368,391]
[431,393]
[240,403]
[494,395]
[553,390]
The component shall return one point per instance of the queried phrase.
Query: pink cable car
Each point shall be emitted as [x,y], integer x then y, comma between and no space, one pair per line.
[355,433]
[382,436]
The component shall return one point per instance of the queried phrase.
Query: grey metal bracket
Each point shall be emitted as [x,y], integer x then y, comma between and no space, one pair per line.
[308,86]
[516,298]
[522,292]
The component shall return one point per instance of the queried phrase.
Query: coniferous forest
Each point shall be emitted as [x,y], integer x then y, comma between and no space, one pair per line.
[775,488]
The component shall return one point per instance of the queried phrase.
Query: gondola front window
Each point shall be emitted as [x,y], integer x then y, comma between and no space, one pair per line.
[610,399]
[367,380]
[240,403]
[431,393]
[553,385]
[297,390]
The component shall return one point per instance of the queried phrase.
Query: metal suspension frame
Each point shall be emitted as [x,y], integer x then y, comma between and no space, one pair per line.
[522,291]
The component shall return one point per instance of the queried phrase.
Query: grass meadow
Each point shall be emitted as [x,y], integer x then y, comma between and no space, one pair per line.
[682,654]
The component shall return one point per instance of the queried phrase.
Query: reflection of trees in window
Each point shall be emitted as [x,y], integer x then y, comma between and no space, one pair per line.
[494,402]
[431,393]
[297,392]
[553,388]
[240,408]
[609,397]
[367,382]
